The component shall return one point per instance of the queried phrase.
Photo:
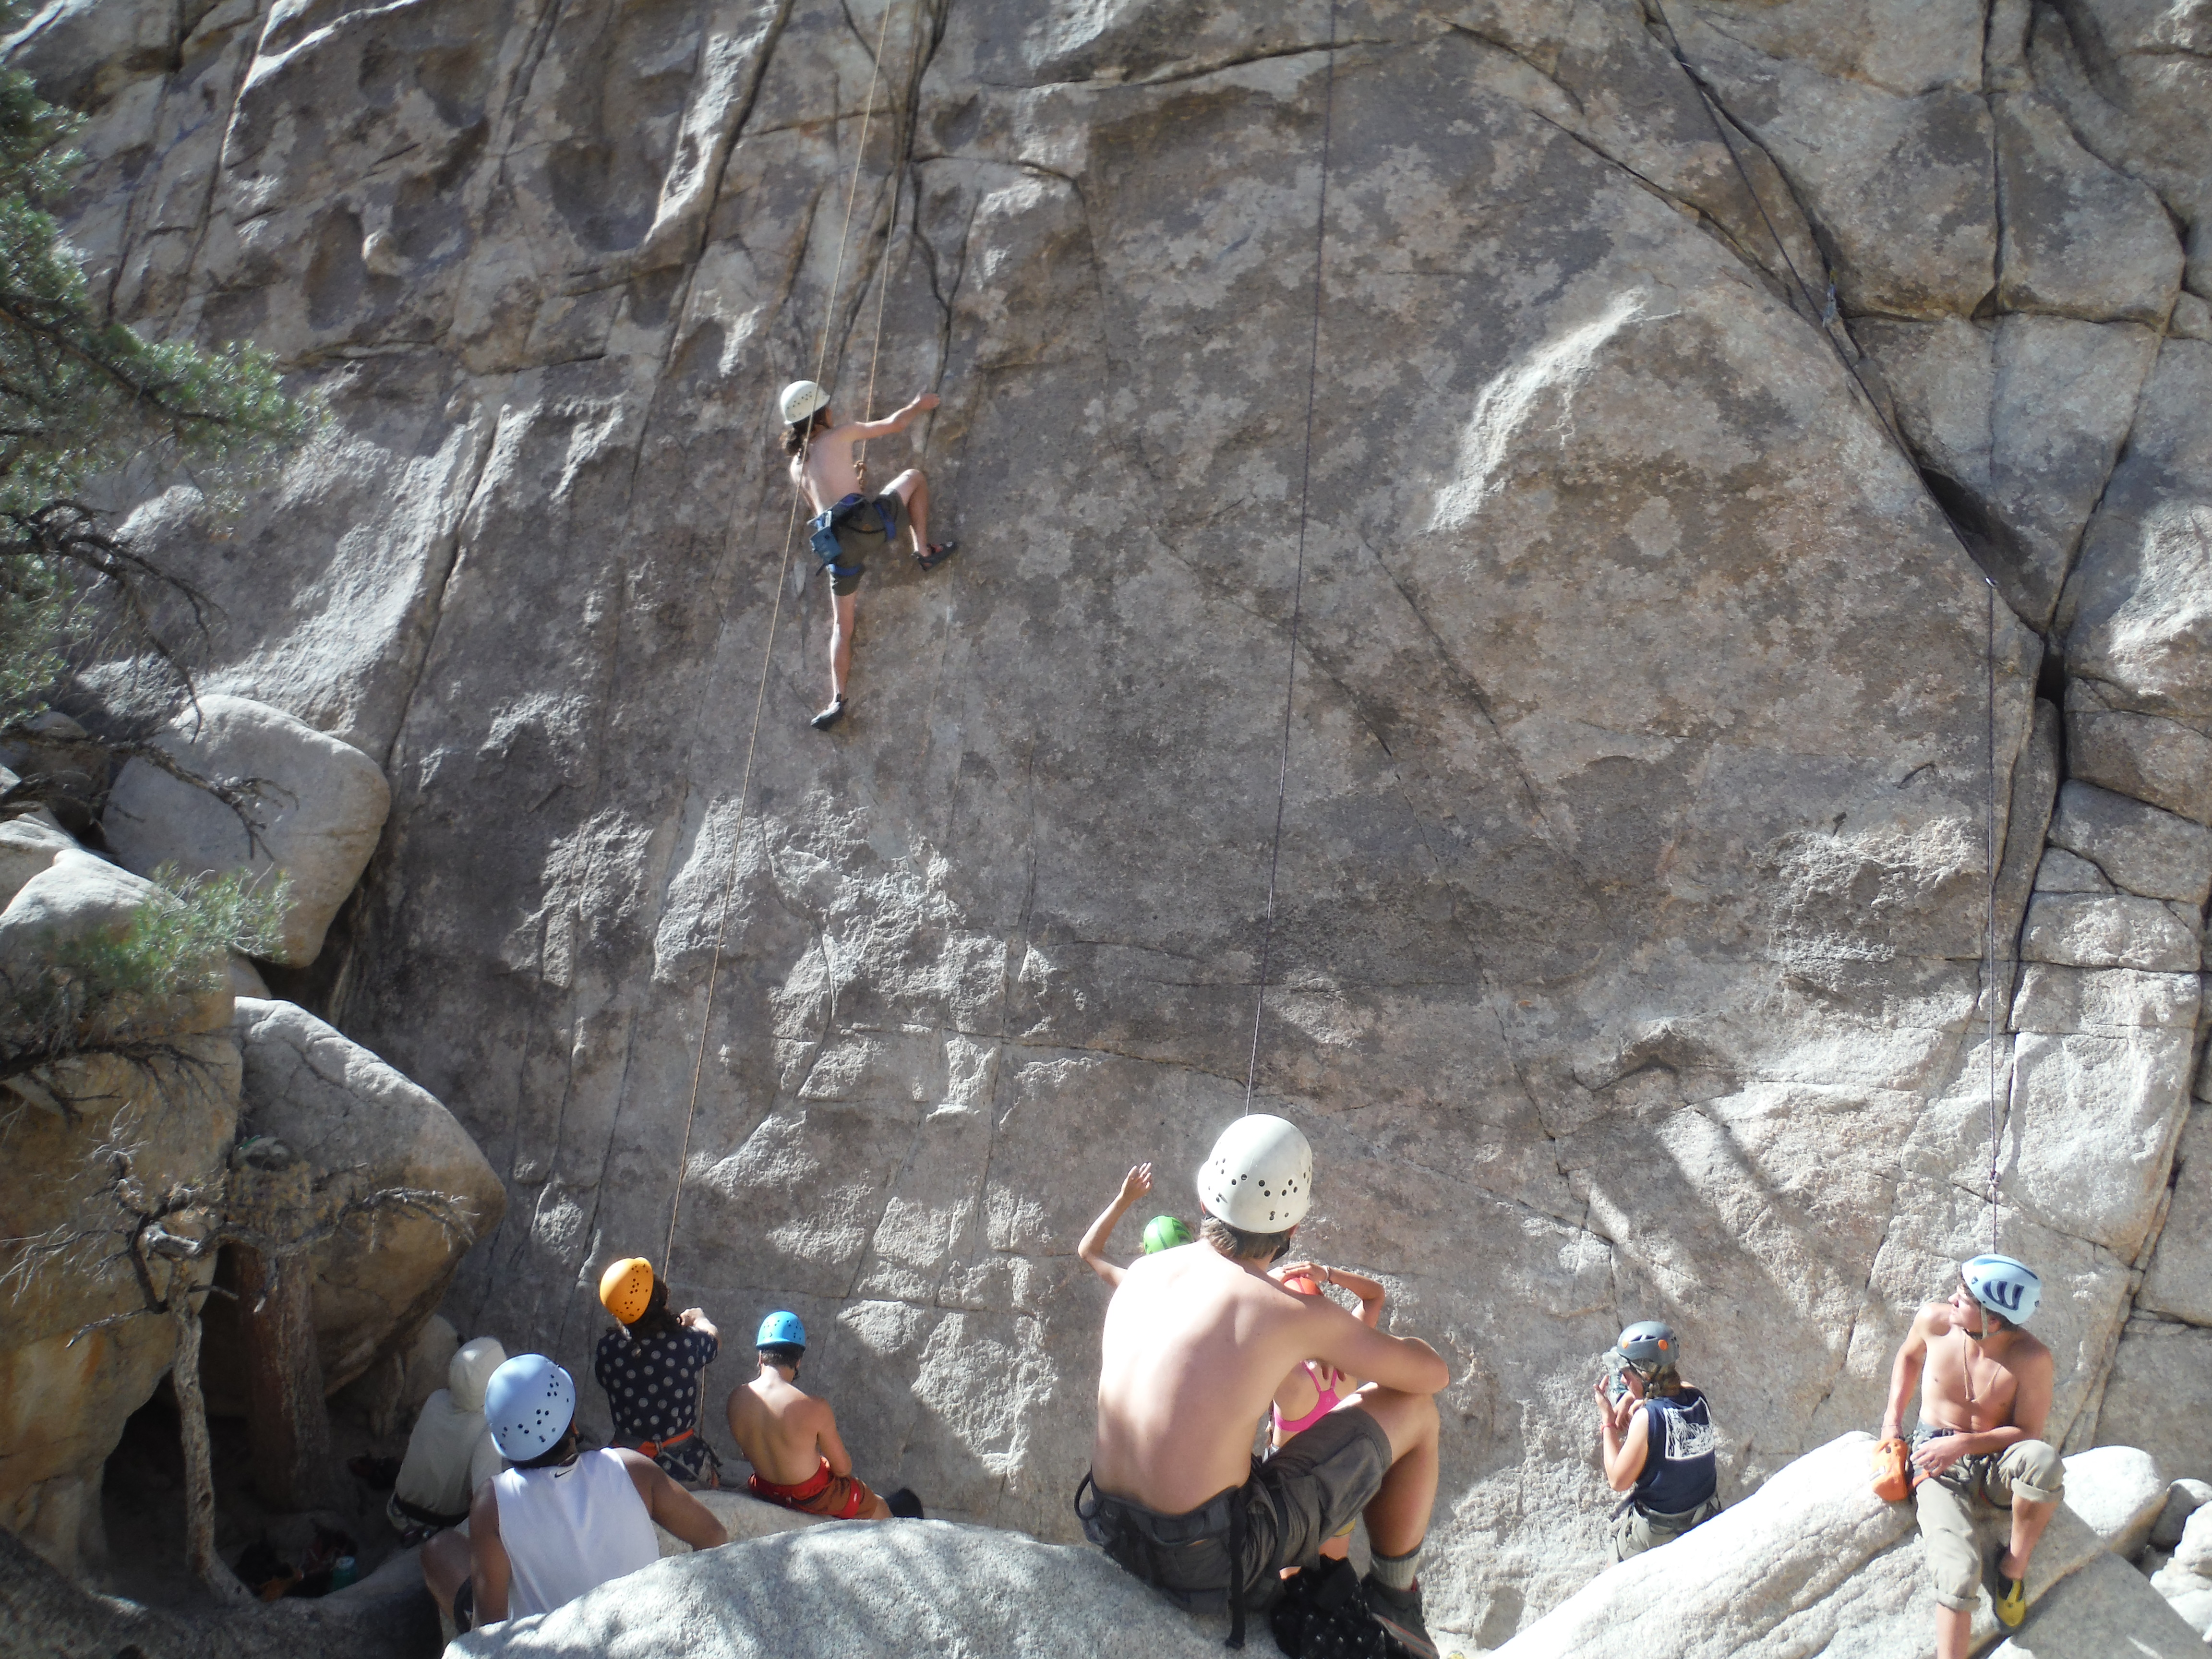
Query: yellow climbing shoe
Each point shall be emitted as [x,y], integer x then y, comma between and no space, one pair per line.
[2011,1597]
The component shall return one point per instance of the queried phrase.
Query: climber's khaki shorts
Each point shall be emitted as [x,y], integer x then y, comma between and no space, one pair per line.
[1978,1489]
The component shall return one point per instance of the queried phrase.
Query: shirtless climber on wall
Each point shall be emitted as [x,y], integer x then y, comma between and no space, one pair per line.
[1985,1392]
[1197,1339]
[823,467]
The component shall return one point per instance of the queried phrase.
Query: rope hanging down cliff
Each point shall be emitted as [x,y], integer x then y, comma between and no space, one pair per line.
[1299,583]
[776,616]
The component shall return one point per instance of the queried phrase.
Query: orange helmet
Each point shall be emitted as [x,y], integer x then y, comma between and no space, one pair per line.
[626,1288]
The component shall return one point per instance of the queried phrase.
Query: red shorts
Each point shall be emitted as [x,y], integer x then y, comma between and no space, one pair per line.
[839,1497]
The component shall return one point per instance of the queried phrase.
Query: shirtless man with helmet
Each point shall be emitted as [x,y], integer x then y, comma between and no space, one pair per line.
[1196,1342]
[1985,1395]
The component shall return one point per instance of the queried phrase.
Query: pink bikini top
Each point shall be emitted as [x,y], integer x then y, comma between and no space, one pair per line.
[1329,1402]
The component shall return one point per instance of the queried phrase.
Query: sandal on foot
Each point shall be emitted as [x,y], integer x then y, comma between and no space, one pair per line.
[937,554]
[829,716]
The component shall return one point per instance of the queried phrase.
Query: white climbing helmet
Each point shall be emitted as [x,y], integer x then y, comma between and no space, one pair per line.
[800,399]
[1258,1178]
[471,1370]
[528,1406]
[2006,1287]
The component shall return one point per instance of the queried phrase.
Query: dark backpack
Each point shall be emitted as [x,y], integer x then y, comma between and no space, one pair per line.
[1323,1614]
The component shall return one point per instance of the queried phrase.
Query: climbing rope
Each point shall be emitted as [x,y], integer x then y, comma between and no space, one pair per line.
[767,651]
[1826,315]
[1298,584]
[1989,859]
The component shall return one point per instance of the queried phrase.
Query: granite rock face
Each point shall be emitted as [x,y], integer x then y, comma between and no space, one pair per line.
[1677,374]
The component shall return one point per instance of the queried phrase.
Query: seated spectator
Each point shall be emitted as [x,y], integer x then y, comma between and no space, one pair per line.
[450,1454]
[790,1438]
[563,1520]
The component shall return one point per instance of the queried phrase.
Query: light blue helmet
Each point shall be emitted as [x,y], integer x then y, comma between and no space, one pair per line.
[781,1330]
[528,1406]
[2006,1287]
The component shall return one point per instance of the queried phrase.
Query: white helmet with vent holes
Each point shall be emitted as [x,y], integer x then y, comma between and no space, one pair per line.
[1258,1178]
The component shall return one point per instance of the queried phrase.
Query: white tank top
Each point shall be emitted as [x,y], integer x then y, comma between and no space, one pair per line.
[568,1530]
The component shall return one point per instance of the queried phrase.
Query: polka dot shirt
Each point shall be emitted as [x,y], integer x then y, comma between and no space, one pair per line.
[655,1388]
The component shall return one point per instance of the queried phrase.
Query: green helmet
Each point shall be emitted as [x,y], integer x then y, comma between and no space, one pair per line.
[1166,1232]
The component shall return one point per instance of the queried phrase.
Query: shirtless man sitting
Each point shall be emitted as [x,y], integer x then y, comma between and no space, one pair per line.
[823,467]
[1985,1392]
[1196,1342]
[791,1438]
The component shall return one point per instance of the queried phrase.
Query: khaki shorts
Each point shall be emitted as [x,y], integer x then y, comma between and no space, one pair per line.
[1632,1532]
[1976,1489]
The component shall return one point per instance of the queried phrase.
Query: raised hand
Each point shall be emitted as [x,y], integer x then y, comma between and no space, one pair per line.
[1136,1183]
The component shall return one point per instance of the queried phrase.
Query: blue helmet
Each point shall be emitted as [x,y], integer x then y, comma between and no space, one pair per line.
[781,1330]
[528,1406]
[2004,1286]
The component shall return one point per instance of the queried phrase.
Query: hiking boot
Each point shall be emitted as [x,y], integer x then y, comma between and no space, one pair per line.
[2010,1596]
[1399,1613]
[829,716]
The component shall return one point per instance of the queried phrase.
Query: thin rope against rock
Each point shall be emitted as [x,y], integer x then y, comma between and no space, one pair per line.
[768,659]
[1298,584]
[1989,857]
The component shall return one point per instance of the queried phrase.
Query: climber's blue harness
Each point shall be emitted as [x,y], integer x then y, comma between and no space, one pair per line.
[823,530]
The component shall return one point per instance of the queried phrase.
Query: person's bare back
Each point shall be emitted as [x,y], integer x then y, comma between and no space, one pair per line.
[1193,1350]
[785,1433]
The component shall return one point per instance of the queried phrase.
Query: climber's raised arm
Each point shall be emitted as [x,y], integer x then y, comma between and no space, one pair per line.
[1092,1250]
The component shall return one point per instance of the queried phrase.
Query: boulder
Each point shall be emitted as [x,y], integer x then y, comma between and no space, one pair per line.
[2119,1492]
[320,806]
[2183,1499]
[28,844]
[364,1128]
[1812,1562]
[66,1389]
[891,1587]
[2143,850]
[54,931]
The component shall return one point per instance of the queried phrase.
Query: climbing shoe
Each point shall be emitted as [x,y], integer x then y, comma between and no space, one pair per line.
[905,1506]
[829,716]
[2011,1593]
[1399,1613]
[937,554]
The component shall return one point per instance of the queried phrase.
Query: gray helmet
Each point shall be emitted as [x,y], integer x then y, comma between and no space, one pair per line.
[1651,1347]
